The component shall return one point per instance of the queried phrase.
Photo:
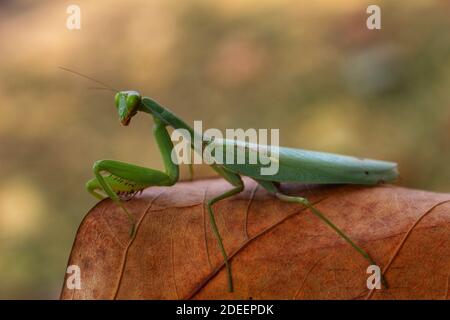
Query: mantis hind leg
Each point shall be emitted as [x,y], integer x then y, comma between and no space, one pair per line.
[236,181]
[272,187]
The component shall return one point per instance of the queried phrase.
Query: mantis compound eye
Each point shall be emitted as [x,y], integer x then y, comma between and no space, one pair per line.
[133,100]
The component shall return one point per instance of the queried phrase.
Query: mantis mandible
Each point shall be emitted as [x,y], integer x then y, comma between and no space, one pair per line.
[121,181]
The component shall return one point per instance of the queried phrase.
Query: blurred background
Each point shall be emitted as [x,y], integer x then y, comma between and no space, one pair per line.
[310,68]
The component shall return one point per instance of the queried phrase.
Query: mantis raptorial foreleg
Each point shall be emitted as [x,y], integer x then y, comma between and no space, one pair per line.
[128,178]
[273,188]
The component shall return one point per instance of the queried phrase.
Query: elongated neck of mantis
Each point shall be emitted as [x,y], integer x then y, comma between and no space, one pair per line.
[150,106]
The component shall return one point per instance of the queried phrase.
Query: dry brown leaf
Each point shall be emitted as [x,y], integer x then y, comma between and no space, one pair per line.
[278,250]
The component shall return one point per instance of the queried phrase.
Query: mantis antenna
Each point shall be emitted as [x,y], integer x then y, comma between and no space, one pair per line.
[105,86]
[100,88]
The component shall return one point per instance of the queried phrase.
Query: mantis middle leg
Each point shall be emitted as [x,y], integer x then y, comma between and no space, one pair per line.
[236,181]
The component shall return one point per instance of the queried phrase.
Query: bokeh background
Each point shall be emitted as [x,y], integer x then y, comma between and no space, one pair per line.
[310,68]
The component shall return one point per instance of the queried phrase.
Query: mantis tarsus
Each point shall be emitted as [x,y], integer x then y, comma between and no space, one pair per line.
[120,181]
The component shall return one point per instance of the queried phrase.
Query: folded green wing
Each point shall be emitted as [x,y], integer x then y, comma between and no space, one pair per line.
[296,165]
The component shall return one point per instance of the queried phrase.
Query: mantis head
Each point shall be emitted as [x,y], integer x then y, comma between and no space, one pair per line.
[127,104]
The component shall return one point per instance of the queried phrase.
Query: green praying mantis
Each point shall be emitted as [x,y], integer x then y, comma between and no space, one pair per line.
[121,181]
